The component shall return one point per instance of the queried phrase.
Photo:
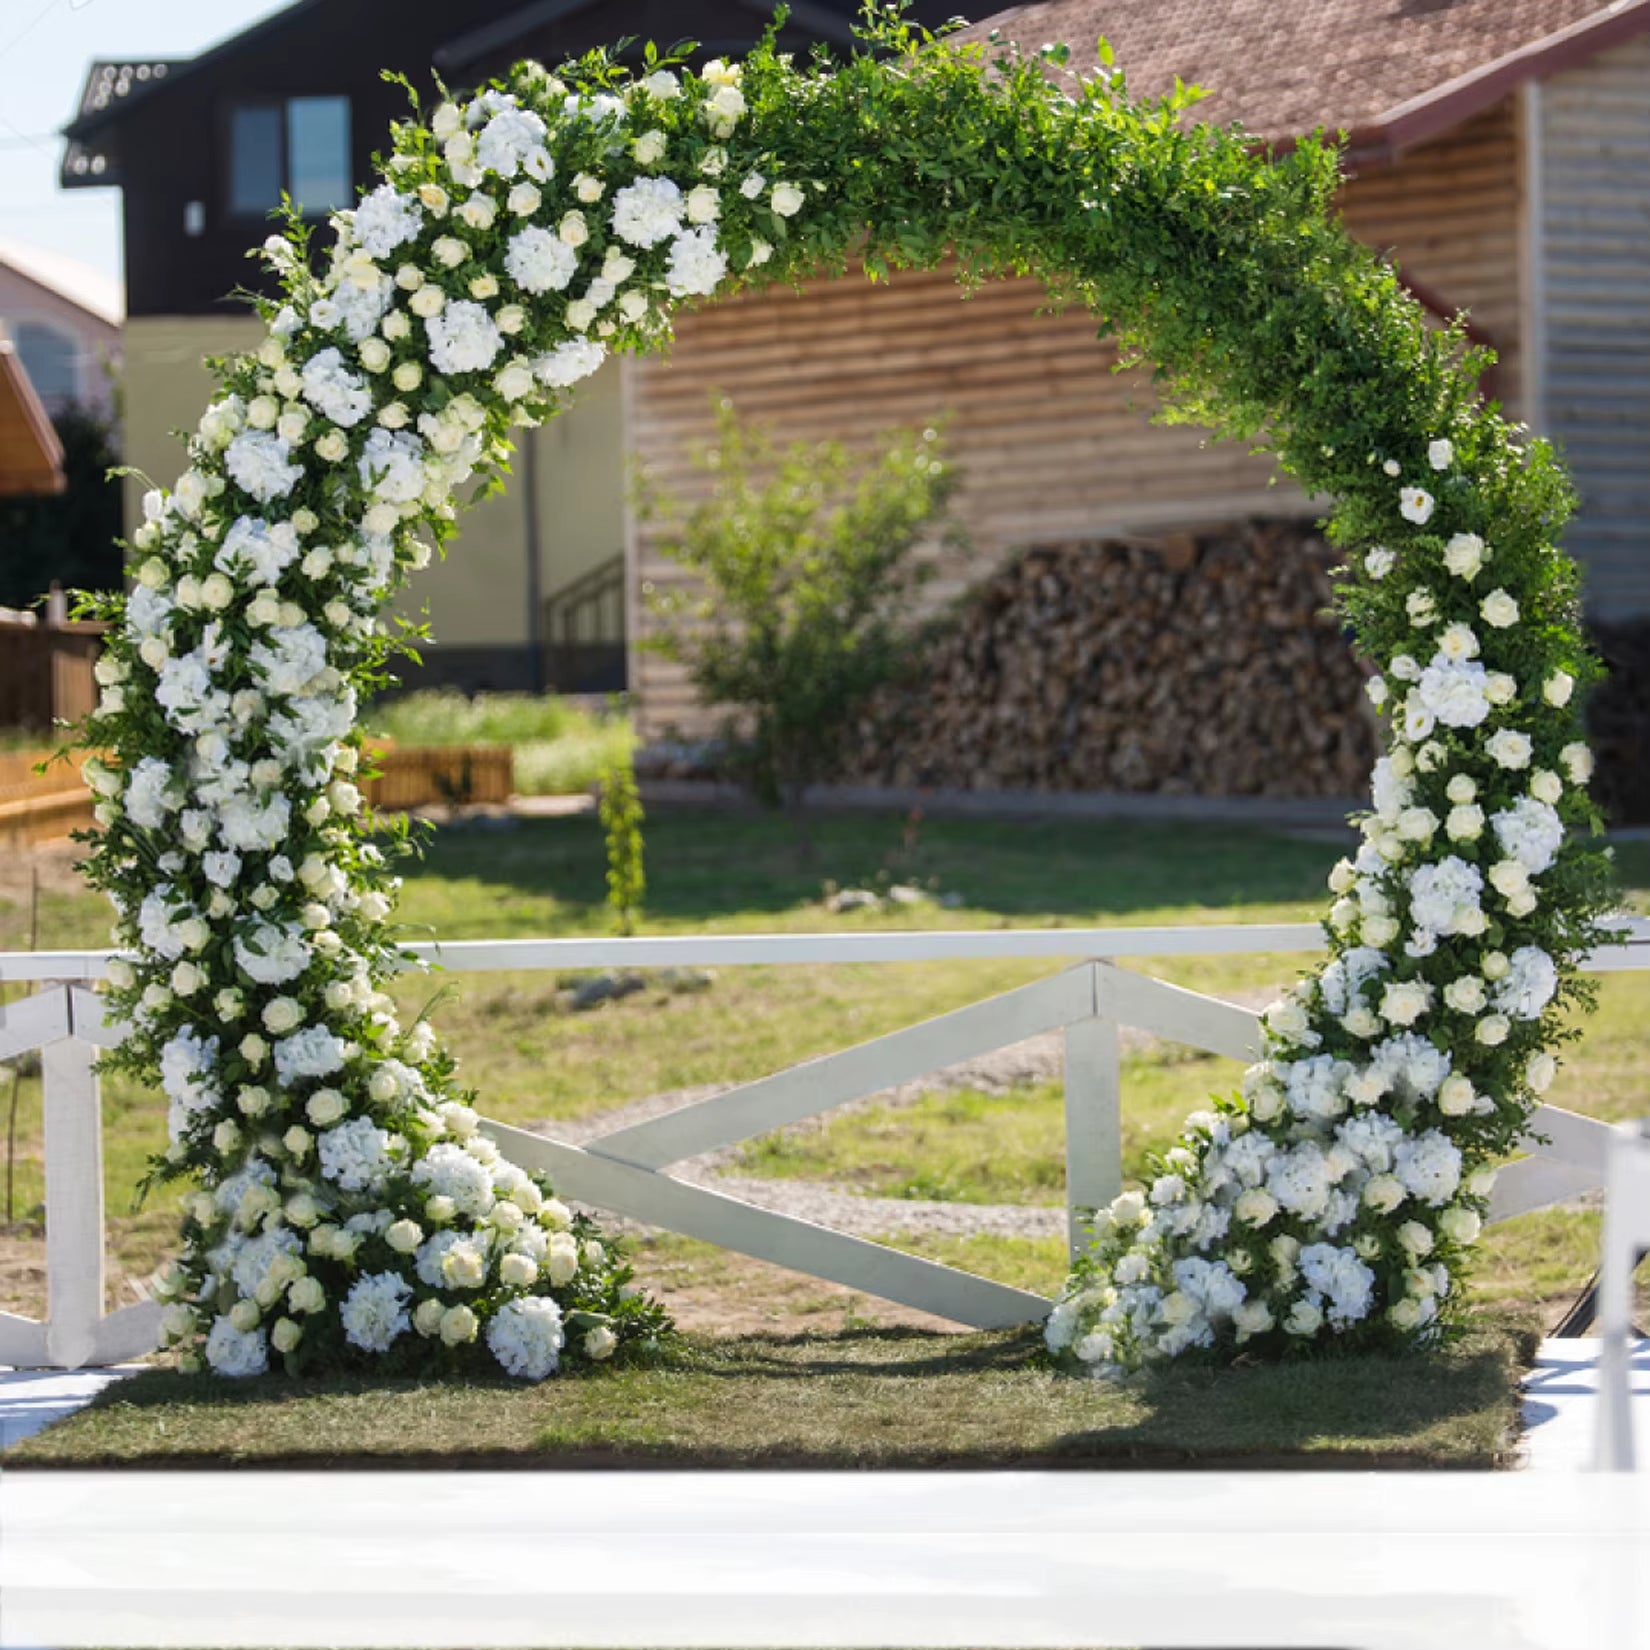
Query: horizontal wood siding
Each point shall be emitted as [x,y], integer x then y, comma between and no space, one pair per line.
[1055,445]
[1449,216]
[1594,247]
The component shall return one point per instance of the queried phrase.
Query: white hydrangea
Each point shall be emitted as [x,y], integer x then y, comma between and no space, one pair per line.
[539,261]
[234,1352]
[648,211]
[255,826]
[255,551]
[1340,1278]
[259,463]
[272,953]
[266,1258]
[334,391]
[290,660]
[148,802]
[1429,1166]
[569,362]
[313,1052]
[1531,832]
[356,1155]
[508,139]
[1410,1065]
[450,1171]
[463,338]
[375,1312]
[392,466]
[1530,983]
[1299,1179]
[1371,1137]
[697,263]
[1445,897]
[1314,1086]
[188,1063]
[526,1337]
[386,219]
[1343,982]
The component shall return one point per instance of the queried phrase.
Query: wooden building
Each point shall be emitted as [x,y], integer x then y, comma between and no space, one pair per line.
[1498,152]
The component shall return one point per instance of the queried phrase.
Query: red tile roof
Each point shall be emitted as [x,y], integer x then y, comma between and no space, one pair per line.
[1392,72]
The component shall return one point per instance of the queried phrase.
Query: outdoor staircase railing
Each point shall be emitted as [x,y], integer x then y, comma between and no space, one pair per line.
[625,1172]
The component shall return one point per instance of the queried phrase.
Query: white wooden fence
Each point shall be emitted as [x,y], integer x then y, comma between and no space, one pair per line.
[624,1172]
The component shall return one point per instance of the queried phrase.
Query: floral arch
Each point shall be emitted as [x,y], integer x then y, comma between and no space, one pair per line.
[347,1210]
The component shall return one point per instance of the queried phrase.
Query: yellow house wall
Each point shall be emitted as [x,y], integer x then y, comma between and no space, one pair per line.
[477,597]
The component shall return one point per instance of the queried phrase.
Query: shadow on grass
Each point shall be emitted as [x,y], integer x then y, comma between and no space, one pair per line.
[857,1399]
[712,865]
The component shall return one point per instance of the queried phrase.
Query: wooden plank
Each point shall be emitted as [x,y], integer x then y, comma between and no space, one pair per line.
[74,1203]
[1537,1183]
[1181,1016]
[1094,1120]
[782,1240]
[89,1019]
[1570,1138]
[22,1342]
[33,1023]
[817,1085]
[132,1332]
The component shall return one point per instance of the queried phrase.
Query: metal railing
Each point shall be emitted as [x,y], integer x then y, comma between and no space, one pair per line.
[625,1171]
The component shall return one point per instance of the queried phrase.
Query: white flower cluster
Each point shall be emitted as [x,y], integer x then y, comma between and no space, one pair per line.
[341,1174]
[1283,1215]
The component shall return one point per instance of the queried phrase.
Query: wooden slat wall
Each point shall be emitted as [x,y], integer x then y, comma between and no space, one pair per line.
[1448,216]
[1594,249]
[1054,444]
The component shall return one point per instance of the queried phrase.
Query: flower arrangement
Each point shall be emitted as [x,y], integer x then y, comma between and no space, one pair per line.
[349,1209]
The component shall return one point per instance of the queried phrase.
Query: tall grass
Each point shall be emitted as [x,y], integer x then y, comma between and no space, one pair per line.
[560,745]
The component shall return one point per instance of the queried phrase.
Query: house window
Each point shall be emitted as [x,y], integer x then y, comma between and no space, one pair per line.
[51,357]
[300,146]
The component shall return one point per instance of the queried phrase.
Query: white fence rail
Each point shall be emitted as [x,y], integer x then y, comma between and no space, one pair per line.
[624,1172]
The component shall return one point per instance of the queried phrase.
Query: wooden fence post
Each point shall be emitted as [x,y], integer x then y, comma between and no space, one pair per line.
[74,1201]
[1094,1117]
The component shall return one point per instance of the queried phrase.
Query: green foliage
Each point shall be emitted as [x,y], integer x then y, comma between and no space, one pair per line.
[806,557]
[621,816]
[71,538]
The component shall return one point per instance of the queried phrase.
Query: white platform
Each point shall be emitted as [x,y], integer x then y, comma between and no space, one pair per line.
[31,1399]
[1561,1404]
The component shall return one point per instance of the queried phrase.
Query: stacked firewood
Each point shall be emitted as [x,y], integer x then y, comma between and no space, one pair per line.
[1197,664]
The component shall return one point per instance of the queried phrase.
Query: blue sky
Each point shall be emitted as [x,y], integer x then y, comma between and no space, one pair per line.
[45,47]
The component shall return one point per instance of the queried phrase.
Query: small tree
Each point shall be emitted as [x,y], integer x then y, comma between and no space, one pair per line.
[621,816]
[807,568]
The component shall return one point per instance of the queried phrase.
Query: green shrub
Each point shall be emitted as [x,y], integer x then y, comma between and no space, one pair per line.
[805,557]
[621,816]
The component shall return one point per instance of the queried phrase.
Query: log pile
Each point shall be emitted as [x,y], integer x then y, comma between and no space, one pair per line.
[1202,664]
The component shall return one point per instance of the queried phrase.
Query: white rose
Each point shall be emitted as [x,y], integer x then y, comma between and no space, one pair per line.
[573,230]
[1383,1193]
[588,189]
[1492,1030]
[447,121]
[524,200]
[458,1325]
[1558,687]
[1415,504]
[1546,786]
[1255,1207]
[479,211]
[1455,1096]
[1415,1237]
[704,205]
[786,200]
[518,1271]
[1405,1314]
[1464,555]
[427,1318]
[600,1343]
[1509,876]
[649,148]
[1440,453]
[1466,994]
[1578,762]
[1404,1002]
[427,302]
[375,354]
[581,314]
[1499,609]
[1509,748]
[1460,1225]
[1464,823]
[1500,688]
[282,1014]
[1304,1319]
[245,1316]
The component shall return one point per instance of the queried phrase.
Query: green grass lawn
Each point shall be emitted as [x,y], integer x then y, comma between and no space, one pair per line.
[713,873]
[560,746]
[858,1398]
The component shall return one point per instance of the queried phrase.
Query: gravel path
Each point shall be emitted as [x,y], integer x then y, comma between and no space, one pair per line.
[1019,1065]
